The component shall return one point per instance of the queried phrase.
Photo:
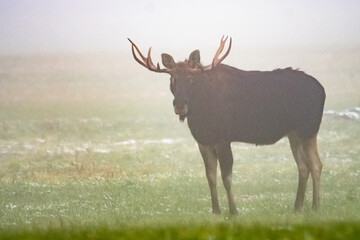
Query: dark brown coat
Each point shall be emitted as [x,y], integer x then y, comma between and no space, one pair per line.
[224,104]
[228,104]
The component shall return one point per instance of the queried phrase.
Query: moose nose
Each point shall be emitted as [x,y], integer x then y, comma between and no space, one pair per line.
[180,106]
[180,102]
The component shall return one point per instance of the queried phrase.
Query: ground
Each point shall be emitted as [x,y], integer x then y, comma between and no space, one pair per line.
[88,149]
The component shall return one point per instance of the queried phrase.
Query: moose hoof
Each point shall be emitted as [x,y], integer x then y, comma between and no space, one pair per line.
[233,212]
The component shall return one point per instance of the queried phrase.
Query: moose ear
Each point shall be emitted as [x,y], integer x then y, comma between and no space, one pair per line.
[167,61]
[195,57]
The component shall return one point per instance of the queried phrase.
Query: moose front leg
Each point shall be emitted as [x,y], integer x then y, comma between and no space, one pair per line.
[209,156]
[225,156]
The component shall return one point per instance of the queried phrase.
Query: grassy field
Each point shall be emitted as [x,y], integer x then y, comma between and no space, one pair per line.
[90,148]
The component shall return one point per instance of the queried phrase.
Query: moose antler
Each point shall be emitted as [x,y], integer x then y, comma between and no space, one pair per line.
[216,61]
[146,62]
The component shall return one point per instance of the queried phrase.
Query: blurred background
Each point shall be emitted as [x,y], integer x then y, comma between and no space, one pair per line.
[321,38]
[68,26]
[87,135]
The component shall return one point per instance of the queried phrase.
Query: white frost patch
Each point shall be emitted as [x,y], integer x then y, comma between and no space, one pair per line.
[81,149]
[98,150]
[163,141]
[170,141]
[39,140]
[148,141]
[68,150]
[352,113]
[95,119]
[10,206]
[39,145]
[128,142]
[28,146]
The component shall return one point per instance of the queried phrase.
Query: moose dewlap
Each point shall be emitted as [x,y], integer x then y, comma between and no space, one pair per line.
[223,104]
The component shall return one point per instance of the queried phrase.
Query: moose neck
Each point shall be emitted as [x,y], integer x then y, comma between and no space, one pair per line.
[206,115]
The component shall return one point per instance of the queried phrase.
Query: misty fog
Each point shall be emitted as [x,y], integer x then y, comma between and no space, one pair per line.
[78,26]
[89,136]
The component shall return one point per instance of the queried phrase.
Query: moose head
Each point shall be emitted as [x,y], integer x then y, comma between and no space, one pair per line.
[182,74]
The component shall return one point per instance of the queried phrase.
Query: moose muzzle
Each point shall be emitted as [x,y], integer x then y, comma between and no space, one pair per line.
[180,106]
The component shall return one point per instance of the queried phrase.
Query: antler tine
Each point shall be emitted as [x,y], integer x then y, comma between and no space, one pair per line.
[137,49]
[136,58]
[218,52]
[227,52]
[151,66]
[149,62]
[216,59]
[146,62]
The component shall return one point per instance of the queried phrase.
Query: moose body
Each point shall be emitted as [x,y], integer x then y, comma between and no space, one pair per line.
[228,104]
[224,104]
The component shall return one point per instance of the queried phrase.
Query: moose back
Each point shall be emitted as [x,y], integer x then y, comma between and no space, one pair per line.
[223,104]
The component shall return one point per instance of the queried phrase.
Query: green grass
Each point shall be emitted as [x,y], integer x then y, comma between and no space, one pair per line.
[211,231]
[102,156]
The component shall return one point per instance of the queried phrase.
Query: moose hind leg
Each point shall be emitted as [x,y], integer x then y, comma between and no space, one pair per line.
[209,156]
[301,162]
[315,165]
[226,163]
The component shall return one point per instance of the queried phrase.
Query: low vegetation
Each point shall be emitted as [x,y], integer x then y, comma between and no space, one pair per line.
[98,158]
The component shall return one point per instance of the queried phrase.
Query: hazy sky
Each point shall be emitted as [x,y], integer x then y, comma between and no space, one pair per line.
[31,26]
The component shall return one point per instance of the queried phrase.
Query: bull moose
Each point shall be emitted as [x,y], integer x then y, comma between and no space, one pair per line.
[223,104]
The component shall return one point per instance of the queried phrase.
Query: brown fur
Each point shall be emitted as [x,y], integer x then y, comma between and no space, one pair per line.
[226,104]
